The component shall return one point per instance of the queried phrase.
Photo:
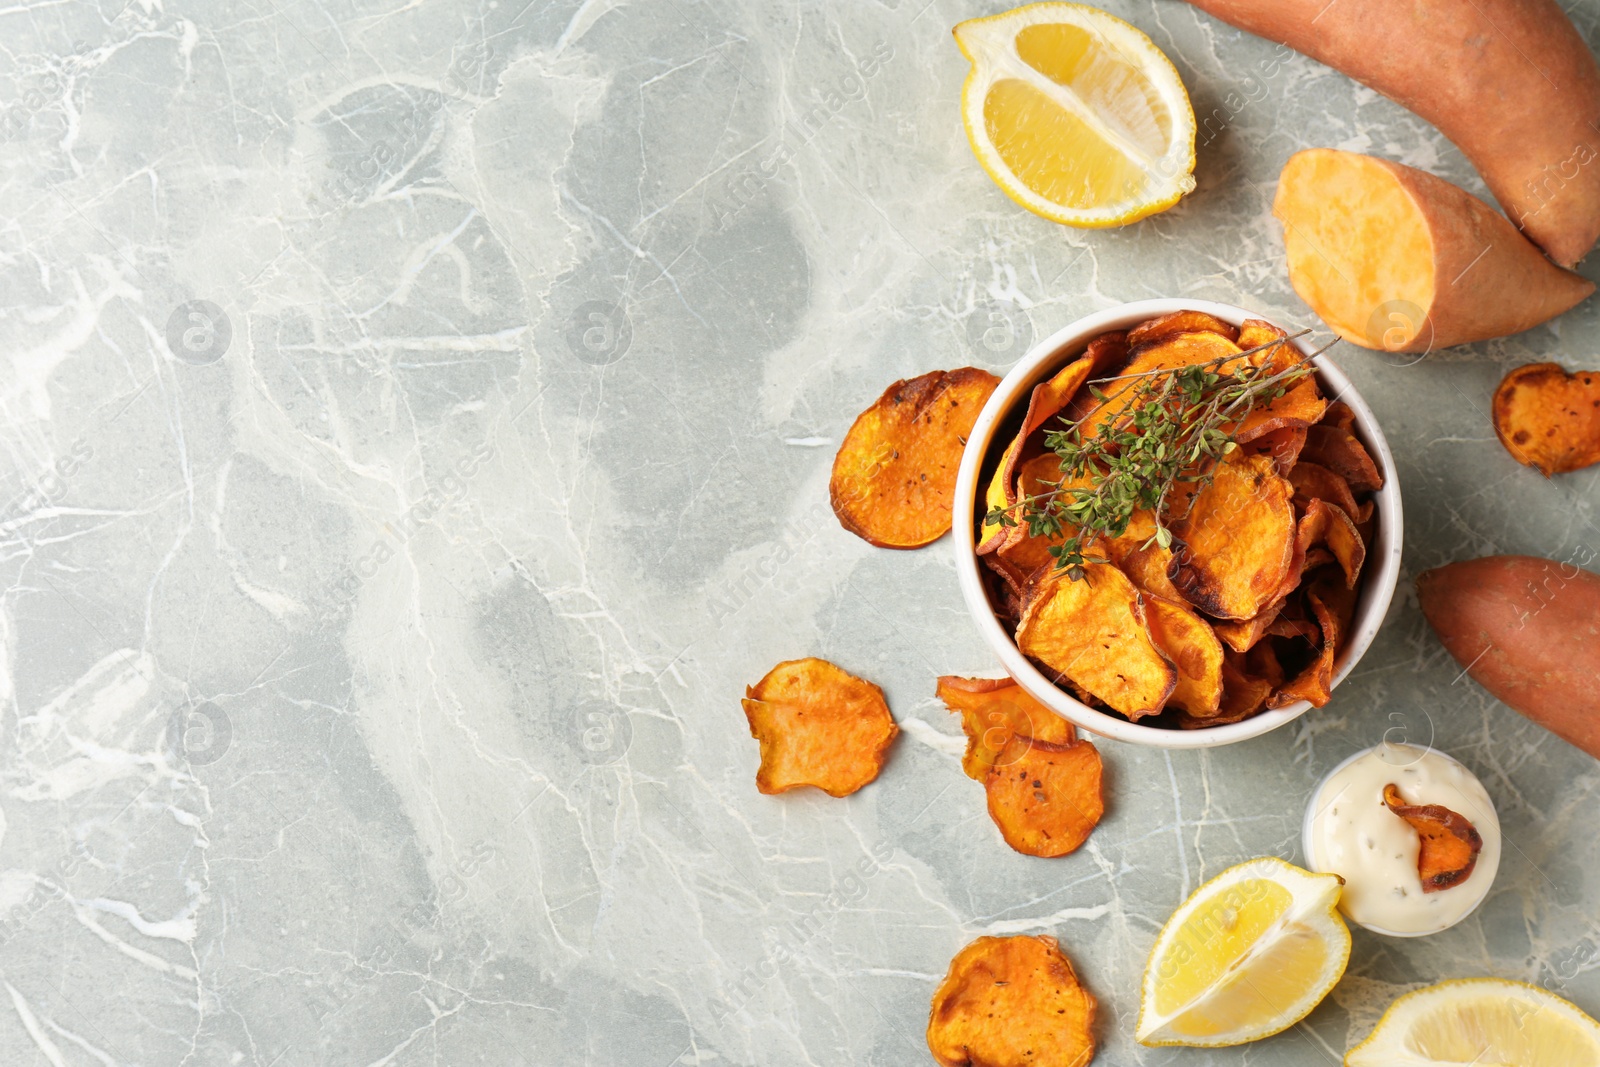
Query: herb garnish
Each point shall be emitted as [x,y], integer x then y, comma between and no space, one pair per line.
[1170,432]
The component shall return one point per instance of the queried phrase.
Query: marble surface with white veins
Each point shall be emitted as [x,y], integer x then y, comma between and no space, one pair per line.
[417,419]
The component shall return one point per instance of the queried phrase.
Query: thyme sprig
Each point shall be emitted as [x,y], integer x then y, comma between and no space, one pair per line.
[1171,432]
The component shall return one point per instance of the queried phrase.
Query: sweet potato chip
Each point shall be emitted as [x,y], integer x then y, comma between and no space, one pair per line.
[818,725]
[1165,326]
[1233,546]
[1093,631]
[1011,1002]
[1253,333]
[1283,445]
[1339,451]
[1141,559]
[1313,481]
[1175,350]
[1193,648]
[993,710]
[1243,695]
[1315,681]
[1549,419]
[990,534]
[1340,415]
[1450,843]
[1049,398]
[1045,797]
[894,477]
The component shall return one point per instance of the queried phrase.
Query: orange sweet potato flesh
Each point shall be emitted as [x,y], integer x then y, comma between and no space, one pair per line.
[1011,1002]
[1549,419]
[818,725]
[1233,546]
[894,478]
[1045,798]
[993,711]
[1528,630]
[1511,82]
[1093,632]
[1398,260]
[1449,842]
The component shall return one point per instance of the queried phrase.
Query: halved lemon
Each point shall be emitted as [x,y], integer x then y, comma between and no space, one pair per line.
[1076,114]
[1250,953]
[1487,1022]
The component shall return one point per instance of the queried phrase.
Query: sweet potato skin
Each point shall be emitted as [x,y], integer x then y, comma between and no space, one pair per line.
[1511,82]
[1489,281]
[1528,630]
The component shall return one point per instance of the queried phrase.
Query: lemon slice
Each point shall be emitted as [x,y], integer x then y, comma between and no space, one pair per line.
[1250,953]
[1487,1022]
[1076,114]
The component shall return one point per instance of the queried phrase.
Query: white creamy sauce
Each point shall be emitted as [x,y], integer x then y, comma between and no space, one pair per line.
[1349,831]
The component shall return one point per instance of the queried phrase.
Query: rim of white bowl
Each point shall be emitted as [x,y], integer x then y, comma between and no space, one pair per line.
[1311,857]
[1379,576]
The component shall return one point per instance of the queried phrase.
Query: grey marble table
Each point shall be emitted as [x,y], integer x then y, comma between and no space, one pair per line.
[417,420]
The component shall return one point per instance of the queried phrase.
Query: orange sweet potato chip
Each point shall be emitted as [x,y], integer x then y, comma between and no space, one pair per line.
[1283,445]
[1172,351]
[1011,1002]
[1094,632]
[1244,695]
[1165,326]
[1340,414]
[1313,481]
[990,534]
[993,711]
[1549,419]
[1338,450]
[1301,404]
[1045,797]
[1193,647]
[1315,680]
[1450,843]
[1049,398]
[894,477]
[1234,544]
[1141,559]
[1253,333]
[818,725]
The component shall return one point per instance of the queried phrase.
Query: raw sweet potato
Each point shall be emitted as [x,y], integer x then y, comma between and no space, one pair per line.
[1395,259]
[1509,81]
[1527,630]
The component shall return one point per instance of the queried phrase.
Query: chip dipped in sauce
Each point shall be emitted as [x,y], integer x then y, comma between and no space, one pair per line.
[1388,852]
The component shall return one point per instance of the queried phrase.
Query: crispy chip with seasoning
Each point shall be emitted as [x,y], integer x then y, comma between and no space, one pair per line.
[1233,546]
[1045,797]
[993,710]
[1449,843]
[1549,419]
[894,477]
[818,725]
[1011,1002]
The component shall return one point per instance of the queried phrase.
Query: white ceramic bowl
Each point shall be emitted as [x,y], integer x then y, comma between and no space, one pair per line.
[1378,577]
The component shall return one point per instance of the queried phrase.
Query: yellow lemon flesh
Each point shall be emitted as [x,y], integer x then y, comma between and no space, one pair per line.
[1488,1022]
[1250,953]
[1076,114]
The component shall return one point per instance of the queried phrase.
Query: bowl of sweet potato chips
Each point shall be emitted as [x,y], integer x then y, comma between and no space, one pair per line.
[1230,602]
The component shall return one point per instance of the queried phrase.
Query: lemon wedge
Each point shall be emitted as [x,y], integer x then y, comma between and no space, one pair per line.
[1250,953]
[1487,1022]
[1076,114]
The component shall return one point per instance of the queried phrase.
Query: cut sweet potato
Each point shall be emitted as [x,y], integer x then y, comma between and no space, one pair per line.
[1045,798]
[1192,646]
[1342,452]
[1449,842]
[894,478]
[1233,546]
[993,711]
[1093,631]
[1511,82]
[818,725]
[1011,1002]
[1396,259]
[1549,419]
